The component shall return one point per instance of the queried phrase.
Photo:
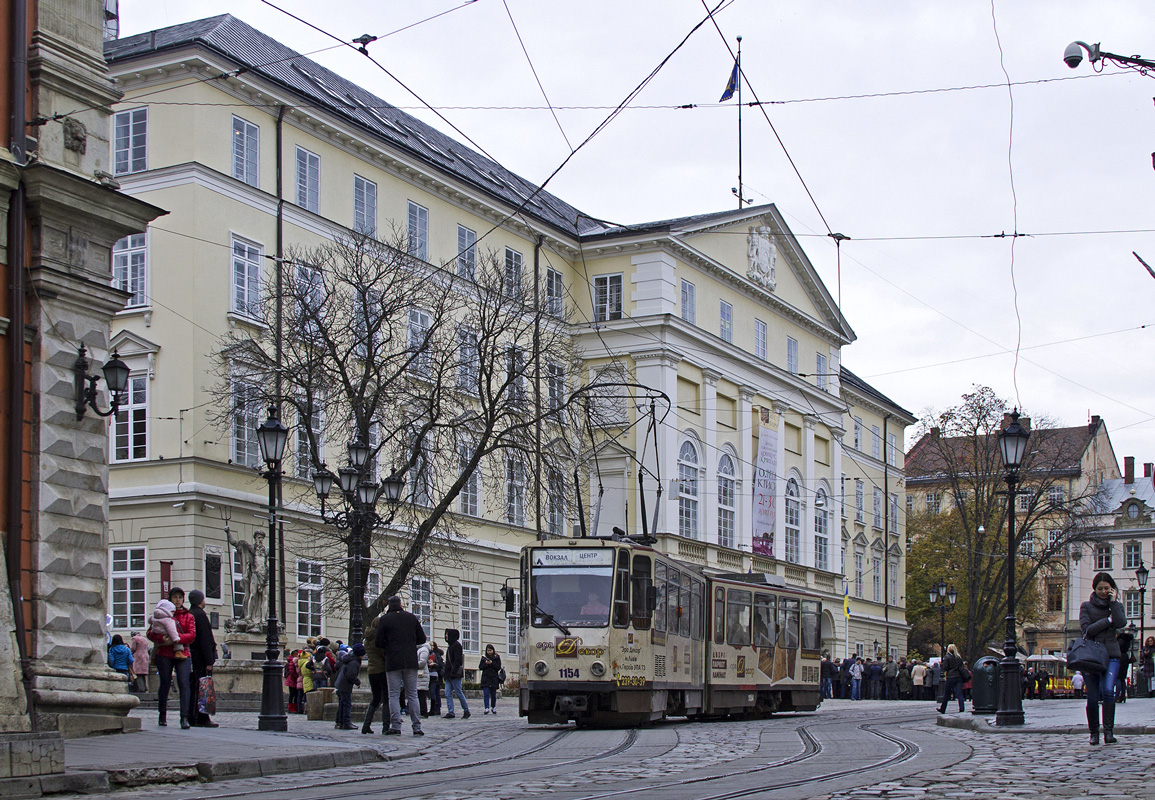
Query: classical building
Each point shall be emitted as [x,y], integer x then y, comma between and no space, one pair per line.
[255,148]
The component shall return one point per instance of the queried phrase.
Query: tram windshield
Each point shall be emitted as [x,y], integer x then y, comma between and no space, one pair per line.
[571,587]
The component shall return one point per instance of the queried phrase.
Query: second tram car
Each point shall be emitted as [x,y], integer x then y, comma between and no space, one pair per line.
[616,633]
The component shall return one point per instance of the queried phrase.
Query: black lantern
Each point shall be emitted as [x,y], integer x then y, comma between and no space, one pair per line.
[272,436]
[115,377]
[1013,447]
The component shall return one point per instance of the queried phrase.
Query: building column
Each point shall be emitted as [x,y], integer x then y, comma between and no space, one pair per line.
[780,501]
[658,369]
[837,558]
[708,491]
[744,491]
[806,556]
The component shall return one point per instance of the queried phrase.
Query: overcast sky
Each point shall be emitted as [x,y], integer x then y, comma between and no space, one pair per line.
[900,174]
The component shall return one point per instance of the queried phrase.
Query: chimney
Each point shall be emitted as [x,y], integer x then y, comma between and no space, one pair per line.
[1094,426]
[1128,470]
[1148,469]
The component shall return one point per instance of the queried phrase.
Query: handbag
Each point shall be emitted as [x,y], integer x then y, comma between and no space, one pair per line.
[206,696]
[964,673]
[1087,655]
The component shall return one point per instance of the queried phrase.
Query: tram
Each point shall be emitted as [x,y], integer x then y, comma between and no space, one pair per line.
[615,633]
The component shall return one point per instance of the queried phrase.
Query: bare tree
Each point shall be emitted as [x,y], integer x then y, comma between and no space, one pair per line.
[452,375]
[958,458]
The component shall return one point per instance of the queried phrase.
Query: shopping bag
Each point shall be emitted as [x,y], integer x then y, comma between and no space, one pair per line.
[206,696]
[1087,656]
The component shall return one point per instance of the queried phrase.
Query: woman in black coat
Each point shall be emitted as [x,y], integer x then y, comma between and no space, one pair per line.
[1100,618]
[491,670]
[952,666]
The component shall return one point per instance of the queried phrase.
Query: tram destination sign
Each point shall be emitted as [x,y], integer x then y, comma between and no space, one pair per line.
[573,557]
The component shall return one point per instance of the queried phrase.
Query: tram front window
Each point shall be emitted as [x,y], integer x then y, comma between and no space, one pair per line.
[574,592]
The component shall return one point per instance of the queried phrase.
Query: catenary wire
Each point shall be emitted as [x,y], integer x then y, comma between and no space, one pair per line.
[536,77]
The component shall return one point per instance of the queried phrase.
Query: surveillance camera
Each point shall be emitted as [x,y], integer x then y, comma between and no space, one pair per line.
[1073,55]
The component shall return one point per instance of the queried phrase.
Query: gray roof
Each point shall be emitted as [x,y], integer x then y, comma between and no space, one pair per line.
[679,223]
[848,378]
[1114,491]
[260,54]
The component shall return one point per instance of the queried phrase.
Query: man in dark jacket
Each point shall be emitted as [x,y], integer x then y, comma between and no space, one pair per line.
[203,653]
[398,635]
[454,672]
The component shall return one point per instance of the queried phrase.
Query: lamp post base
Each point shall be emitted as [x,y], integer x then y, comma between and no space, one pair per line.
[272,716]
[1010,711]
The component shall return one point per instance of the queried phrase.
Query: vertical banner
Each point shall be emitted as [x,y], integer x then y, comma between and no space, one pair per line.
[765,486]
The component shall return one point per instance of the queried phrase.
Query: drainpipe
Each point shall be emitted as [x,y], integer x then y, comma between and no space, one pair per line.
[886,529]
[280,344]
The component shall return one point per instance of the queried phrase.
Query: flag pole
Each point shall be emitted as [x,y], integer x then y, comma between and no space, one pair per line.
[738,71]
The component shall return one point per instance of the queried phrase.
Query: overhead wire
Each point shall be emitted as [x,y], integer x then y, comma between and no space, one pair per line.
[536,77]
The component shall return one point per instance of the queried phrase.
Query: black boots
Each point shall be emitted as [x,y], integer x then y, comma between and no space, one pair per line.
[162,720]
[1108,723]
[1095,736]
[1109,736]
[184,726]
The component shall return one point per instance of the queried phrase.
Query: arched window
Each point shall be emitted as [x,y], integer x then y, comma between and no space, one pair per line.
[726,501]
[821,530]
[688,491]
[793,523]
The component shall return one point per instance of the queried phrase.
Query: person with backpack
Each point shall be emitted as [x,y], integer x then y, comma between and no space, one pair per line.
[953,676]
[454,672]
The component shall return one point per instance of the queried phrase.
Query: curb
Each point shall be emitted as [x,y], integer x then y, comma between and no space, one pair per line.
[81,782]
[981,724]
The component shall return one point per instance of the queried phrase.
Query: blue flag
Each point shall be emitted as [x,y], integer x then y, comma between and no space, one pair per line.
[731,85]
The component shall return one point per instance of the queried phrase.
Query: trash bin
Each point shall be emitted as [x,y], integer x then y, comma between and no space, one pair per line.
[985,686]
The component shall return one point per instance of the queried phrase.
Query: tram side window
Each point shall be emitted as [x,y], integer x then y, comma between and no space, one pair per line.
[684,607]
[765,616]
[738,617]
[642,584]
[696,610]
[674,580]
[660,606]
[788,621]
[811,625]
[622,590]
[719,615]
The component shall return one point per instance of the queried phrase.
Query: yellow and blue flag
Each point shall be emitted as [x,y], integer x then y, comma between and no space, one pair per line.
[846,602]
[731,85]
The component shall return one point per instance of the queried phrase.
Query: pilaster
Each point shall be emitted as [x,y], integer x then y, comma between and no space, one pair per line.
[780,502]
[708,475]
[807,554]
[658,369]
[744,491]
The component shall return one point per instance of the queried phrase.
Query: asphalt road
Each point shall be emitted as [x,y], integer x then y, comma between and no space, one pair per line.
[863,750]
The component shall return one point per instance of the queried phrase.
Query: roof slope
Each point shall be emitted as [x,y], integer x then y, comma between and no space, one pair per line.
[260,54]
[857,384]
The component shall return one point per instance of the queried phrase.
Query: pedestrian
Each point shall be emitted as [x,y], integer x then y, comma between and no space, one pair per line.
[917,680]
[347,676]
[140,658]
[305,670]
[436,667]
[890,675]
[423,678]
[376,658]
[1044,680]
[856,679]
[826,672]
[1077,684]
[1147,662]
[905,684]
[292,674]
[952,667]
[1125,640]
[120,657]
[162,623]
[398,635]
[203,653]
[875,679]
[844,677]
[454,672]
[1099,619]
[167,662]
[491,670]
[1029,684]
[936,681]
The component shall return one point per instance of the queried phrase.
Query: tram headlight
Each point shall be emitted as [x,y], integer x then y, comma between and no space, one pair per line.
[598,669]
[540,669]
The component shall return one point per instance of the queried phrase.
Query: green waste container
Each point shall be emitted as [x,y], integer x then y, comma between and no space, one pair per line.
[985,686]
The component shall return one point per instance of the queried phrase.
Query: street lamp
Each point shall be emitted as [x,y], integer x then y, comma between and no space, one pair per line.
[1012,447]
[942,598]
[115,376]
[272,436]
[358,516]
[1144,669]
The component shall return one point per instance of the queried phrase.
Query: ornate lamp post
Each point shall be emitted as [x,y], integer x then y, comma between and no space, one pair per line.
[271,438]
[358,516]
[942,598]
[1012,446]
[1141,690]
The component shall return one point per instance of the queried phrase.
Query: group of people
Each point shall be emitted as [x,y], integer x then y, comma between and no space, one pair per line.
[864,678]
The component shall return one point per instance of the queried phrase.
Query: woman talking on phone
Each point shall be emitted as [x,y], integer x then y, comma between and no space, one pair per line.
[1100,618]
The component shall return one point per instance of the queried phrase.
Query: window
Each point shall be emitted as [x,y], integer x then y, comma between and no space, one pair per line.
[213,558]
[1055,597]
[556,509]
[246,277]
[418,231]
[876,496]
[1027,547]
[471,618]
[421,602]
[308,180]
[469,357]
[247,408]
[820,371]
[372,585]
[909,505]
[130,269]
[555,385]
[791,355]
[309,613]
[1103,557]
[515,373]
[892,524]
[1132,556]
[514,491]
[821,530]
[875,442]
[793,523]
[466,252]
[689,313]
[1025,498]
[891,449]
[554,292]
[305,432]
[130,141]
[859,569]
[364,206]
[130,425]
[859,500]
[858,434]
[246,150]
[892,579]
[933,502]
[512,633]
[238,584]
[607,297]
[1055,495]
[468,497]
[514,278]
[1054,537]
[129,577]
[760,339]
[1130,604]
[688,491]
[876,578]
[726,315]
[420,322]
[842,496]
[726,501]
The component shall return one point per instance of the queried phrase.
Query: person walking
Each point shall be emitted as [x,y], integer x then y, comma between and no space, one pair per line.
[936,681]
[120,657]
[292,676]
[436,668]
[952,667]
[423,678]
[139,647]
[454,672]
[1100,618]
[348,675]
[167,662]
[203,654]
[376,659]
[398,635]
[844,677]
[826,673]
[491,670]
[905,683]
[1077,683]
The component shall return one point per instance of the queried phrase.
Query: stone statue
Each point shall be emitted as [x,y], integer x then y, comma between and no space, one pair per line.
[762,256]
[254,576]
